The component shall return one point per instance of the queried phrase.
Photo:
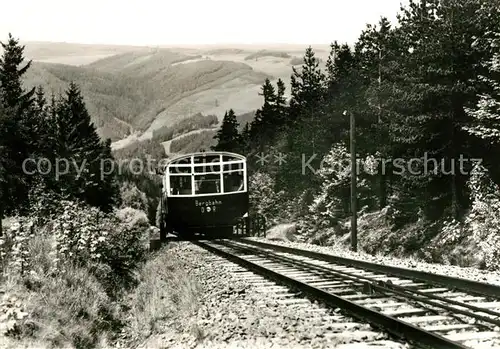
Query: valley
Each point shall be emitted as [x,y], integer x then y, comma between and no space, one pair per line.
[132,91]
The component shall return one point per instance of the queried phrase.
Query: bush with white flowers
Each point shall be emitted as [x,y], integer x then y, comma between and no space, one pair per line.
[263,198]
[332,201]
[110,245]
[484,218]
[14,253]
[476,239]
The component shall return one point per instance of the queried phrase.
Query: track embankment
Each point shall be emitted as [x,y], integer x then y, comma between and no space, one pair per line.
[427,310]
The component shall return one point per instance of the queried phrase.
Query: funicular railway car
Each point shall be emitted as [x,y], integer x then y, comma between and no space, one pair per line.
[204,193]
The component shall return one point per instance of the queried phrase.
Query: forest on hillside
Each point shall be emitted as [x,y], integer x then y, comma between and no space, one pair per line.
[127,92]
[77,229]
[52,151]
[425,95]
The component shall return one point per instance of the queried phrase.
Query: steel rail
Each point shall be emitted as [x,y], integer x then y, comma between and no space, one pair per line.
[396,327]
[394,289]
[468,286]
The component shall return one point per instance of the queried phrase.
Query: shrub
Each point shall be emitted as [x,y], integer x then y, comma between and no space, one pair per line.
[133,197]
[474,240]
[111,246]
[332,204]
[147,183]
[40,299]
[484,217]
[69,273]
[263,199]
[14,247]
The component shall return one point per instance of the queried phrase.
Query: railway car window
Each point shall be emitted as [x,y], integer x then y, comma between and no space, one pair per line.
[233,182]
[206,159]
[235,166]
[178,169]
[180,185]
[226,158]
[185,161]
[207,184]
[207,168]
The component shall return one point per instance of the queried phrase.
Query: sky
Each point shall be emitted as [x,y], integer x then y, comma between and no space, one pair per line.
[192,22]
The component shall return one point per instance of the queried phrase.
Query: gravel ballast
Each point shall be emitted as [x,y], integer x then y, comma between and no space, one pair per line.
[237,309]
[448,270]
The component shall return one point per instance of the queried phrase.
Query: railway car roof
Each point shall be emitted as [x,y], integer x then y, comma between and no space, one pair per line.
[208,153]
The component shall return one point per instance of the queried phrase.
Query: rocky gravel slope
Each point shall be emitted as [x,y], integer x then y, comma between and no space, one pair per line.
[239,309]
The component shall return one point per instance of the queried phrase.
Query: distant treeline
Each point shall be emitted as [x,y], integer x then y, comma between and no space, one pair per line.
[266,53]
[138,149]
[296,61]
[202,140]
[191,123]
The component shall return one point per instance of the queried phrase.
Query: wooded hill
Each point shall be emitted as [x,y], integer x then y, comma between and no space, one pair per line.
[426,87]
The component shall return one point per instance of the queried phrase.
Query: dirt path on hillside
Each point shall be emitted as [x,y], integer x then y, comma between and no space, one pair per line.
[166,145]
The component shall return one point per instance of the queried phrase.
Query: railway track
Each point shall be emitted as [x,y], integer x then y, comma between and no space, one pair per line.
[418,310]
[326,326]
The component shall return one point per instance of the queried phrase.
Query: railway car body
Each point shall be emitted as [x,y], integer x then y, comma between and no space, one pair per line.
[204,193]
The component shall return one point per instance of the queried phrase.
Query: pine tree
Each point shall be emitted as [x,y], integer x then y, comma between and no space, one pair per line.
[344,91]
[306,135]
[246,139]
[79,144]
[281,105]
[264,124]
[11,76]
[40,126]
[109,186]
[16,110]
[486,115]
[339,66]
[438,80]
[228,138]
[377,54]
[307,86]
[10,179]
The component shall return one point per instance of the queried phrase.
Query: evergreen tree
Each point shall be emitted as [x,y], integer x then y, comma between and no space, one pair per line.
[377,53]
[343,92]
[264,124]
[16,115]
[307,84]
[440,79]
[11,180]
[246,139]
[228,138]
[486,115]
[11,76]
[281,104]
[305,130]
[40,125]
[79,145]
[339,66]
[108,187]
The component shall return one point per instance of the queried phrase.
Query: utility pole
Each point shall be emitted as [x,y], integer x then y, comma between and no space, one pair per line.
[354,213]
